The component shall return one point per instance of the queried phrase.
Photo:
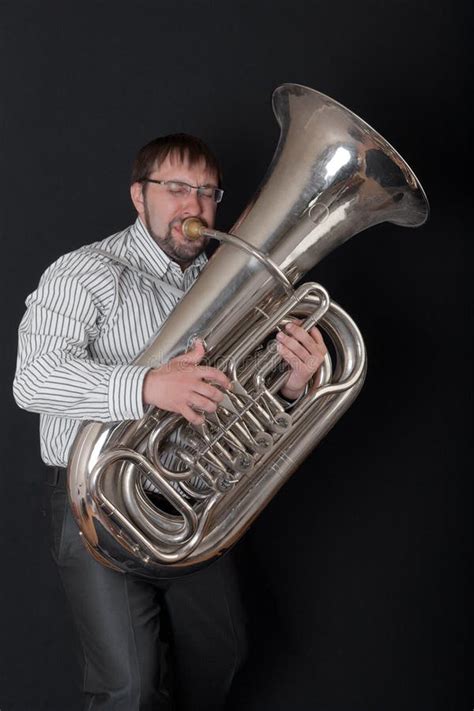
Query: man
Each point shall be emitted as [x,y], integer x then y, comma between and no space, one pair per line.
[90,317]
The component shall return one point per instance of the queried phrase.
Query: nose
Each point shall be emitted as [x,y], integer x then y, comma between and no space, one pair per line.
[193,204]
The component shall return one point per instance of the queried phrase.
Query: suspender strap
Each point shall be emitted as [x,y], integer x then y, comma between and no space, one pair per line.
[119,260]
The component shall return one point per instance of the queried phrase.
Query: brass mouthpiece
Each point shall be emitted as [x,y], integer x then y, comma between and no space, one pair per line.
[193,227]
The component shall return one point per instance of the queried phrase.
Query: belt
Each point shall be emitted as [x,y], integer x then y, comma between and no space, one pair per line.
[56,476]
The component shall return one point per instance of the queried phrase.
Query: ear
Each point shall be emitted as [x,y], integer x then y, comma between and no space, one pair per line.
[136,193]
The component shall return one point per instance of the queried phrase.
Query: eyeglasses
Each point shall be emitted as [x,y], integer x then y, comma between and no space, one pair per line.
[182,190]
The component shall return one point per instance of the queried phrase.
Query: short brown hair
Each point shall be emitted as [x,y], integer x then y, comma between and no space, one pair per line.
[186,147]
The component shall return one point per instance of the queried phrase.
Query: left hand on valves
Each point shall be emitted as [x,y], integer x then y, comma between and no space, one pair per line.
[304,353]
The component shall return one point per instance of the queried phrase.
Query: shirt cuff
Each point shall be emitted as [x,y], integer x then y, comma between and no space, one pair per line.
[126,392]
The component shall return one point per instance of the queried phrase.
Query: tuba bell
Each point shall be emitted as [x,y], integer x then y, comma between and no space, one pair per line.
[331,177]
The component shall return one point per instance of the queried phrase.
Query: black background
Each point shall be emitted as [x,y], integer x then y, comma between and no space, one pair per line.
[357,575]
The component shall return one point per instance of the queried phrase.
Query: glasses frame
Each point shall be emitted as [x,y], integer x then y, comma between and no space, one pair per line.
[218,192]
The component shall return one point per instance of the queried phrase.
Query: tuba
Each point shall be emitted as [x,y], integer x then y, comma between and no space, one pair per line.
[331,177]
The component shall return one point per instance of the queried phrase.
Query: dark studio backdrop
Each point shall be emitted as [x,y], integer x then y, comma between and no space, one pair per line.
[357,575]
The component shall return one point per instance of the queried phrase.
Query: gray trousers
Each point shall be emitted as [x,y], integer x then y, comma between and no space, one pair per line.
[149,644]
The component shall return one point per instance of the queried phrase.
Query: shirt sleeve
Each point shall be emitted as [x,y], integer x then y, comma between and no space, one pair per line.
[55,373]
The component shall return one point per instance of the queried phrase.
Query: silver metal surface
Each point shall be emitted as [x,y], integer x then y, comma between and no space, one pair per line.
[331,177]
[226,238]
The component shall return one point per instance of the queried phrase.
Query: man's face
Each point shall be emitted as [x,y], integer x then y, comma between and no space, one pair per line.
[163,212]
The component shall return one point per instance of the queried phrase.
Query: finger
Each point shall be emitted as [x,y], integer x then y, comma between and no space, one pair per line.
[294,346]
[192,416]
[195,354]
[208,391]
[306,368]
[318,337]
[306,340]
[312,340]
[213,374]
[288,356]
[202,403]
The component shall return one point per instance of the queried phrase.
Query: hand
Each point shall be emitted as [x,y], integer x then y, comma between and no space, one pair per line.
[181,385]
[304,353]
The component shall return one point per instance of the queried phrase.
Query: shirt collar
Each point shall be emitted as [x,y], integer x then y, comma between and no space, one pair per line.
[154,260]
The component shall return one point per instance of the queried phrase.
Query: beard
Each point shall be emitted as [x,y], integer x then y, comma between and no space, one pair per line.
[178,248]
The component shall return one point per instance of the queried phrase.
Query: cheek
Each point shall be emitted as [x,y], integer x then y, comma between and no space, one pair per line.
[210,214]
[161,216]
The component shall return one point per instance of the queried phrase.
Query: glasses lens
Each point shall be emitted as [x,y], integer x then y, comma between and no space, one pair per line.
[206,191]
[178,189]
[210,192]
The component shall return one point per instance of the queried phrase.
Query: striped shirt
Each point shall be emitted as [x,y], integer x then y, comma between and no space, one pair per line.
[89,318]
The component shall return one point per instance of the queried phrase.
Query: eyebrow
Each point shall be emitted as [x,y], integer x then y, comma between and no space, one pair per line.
[203,185]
